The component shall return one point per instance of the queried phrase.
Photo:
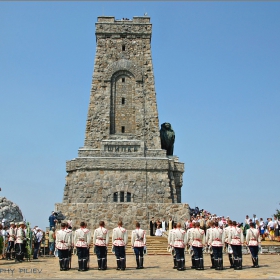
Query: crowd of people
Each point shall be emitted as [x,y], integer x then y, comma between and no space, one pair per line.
[269,228]
[202,232]
[19,241]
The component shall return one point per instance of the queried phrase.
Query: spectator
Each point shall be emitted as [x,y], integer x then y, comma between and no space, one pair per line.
[262,229]
[254,219]
[70,224]
[247,220]
[37,238]
[51,241]
[52,220]
[276,228]
[246,227]
[270,227]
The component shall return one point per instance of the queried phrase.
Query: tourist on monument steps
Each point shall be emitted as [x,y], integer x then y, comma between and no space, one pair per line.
[138,242]
[119,241]
[82,239]
[152,227]
[101,241]
[170,224]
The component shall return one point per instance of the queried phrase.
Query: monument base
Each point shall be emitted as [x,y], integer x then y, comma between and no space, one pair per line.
[111,213]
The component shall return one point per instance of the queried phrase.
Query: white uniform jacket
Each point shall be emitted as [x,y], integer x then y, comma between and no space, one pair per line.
[179,238]
[69,231]
[170,236]
[20,235]
[208,233]
[138,238]
[12,234]
[189,235]
[101,237]
[198,238]
[216,237]
[62,241]
[82,238]
[119,236]
[226,233]
[235,236]
[253,237]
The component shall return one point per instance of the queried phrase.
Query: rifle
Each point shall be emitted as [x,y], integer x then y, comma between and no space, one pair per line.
[88,253]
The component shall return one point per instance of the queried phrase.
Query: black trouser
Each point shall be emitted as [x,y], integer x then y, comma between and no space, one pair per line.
[63,254]
[83,257]
[100,251]
[197,252]
[11,245]
[254,251]
[82,253]
[237,251]
[139,251]
[36,249]
[120,252]
[217,252]
[180,253]
[19,248]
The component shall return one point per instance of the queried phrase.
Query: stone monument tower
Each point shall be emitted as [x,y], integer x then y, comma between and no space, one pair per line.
[122,172]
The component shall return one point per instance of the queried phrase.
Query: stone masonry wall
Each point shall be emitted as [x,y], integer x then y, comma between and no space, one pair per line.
[122,172]
[97,179]
[135,59]
[129,213]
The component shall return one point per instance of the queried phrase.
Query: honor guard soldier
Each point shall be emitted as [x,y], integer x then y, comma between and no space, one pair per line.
[138,242]
[227,245]
[207,239]
[20,237]
[179,242]
[82,240]
[253,240]
[189,234]
[171,248]
[217,243]
[101,241]
[198,242]
[119,241]
[11,242]
[236,239]
[70,233]
[63,243]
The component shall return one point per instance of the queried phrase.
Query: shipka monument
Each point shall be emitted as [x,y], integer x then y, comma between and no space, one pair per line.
[122,172]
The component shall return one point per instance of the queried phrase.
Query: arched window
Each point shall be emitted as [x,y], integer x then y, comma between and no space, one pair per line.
[122,110]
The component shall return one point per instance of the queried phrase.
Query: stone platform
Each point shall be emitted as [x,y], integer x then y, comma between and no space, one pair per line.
[111,213]
[156,267]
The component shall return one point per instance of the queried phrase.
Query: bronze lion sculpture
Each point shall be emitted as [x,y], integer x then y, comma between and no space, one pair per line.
[167,138]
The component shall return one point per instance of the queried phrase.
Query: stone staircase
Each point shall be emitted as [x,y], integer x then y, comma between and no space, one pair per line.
[155,246]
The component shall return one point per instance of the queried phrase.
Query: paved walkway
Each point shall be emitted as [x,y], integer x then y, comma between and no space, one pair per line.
[156,267]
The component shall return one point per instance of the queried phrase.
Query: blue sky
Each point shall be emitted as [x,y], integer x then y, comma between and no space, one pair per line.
[216,67]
